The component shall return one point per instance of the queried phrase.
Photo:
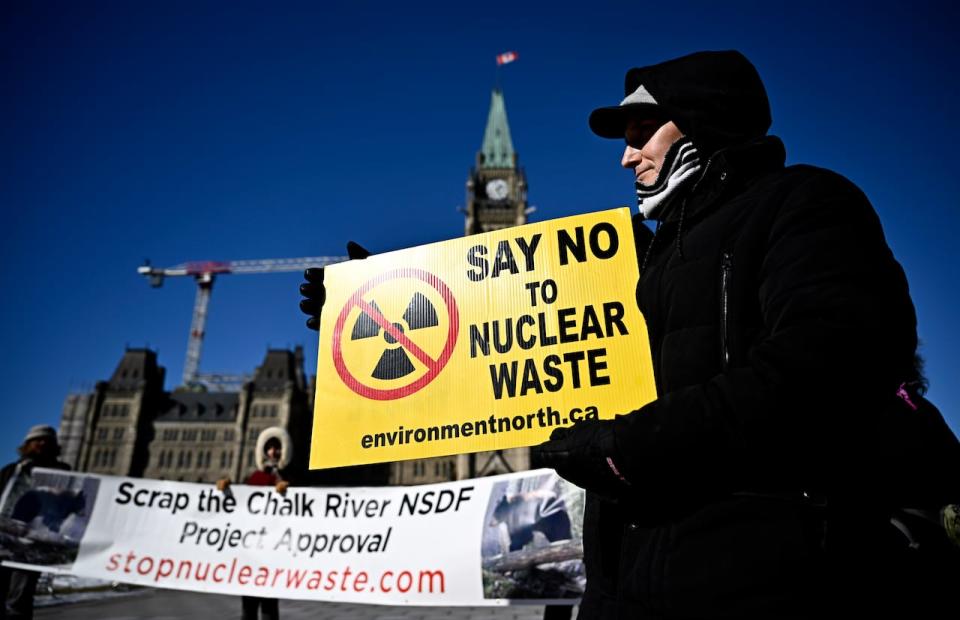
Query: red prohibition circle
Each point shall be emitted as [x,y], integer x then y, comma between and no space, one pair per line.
[433,366]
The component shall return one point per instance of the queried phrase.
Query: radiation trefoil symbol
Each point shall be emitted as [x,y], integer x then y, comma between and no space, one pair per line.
[361,319]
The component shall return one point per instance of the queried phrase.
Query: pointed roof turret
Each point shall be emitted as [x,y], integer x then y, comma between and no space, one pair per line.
[497,147]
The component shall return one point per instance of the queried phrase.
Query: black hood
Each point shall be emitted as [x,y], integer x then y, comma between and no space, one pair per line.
[715,98]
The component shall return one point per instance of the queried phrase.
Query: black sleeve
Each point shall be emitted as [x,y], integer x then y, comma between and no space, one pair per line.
[5,474]
[838,328]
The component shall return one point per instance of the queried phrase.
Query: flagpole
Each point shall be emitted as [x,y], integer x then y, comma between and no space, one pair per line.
[502,59]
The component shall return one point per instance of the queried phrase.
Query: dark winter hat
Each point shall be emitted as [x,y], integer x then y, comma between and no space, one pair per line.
[715,98]
[41,431]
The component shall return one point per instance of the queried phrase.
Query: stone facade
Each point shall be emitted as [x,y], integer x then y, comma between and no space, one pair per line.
[129,426]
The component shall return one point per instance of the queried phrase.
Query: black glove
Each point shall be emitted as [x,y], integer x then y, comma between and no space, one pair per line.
[313,288]
[586,455]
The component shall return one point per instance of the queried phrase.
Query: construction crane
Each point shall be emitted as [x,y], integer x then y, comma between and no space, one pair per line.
[205,272]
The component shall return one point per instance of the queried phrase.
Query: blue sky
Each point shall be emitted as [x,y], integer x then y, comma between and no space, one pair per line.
[213,130]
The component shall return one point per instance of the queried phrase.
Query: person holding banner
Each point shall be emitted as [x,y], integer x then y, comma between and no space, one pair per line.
[790,421]
[273,454]
[40,448]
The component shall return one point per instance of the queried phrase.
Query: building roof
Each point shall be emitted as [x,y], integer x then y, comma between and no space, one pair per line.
[136,368]
[497,146]
[199,407]
[280,369]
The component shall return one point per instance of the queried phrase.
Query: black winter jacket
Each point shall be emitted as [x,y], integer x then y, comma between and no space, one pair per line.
[781,328]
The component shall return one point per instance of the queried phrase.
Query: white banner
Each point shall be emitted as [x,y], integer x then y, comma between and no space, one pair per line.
[490,541]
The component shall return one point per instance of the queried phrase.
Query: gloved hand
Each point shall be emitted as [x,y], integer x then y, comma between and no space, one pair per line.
[281,487]
[223,484]
[586,455]
[314,291]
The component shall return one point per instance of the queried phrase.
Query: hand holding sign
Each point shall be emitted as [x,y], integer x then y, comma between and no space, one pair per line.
[313,289]
[586,454]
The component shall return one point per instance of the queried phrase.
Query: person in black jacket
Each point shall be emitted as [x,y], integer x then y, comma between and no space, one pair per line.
[761,481]
[39,449]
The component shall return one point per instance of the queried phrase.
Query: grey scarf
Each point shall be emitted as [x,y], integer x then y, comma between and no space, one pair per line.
[681,167]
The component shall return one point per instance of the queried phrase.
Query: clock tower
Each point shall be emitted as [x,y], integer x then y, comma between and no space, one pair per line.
[496,198]
[497,185]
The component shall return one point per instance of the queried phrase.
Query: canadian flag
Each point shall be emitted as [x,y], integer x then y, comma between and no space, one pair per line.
[506,57]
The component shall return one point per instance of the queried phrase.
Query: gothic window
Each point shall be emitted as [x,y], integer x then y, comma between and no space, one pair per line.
[273,411]
[188,460]
[250,461]
[228,435]
[190,435]
[102,433]
[118,433]
[223,460]
[254,433]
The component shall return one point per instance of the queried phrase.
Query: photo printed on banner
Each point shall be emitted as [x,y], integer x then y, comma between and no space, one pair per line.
[533,541]
[44,516]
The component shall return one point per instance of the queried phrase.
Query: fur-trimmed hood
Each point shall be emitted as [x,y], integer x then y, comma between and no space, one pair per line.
[286,446]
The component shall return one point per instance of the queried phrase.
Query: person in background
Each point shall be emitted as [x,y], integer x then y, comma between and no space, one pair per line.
[273,454]
[40,448]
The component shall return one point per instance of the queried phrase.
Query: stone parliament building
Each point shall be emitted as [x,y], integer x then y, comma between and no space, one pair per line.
[129,426]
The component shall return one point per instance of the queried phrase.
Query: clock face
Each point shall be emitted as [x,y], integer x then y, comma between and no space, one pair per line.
[497,189]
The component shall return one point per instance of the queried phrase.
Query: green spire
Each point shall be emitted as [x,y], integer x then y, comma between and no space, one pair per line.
[497,146]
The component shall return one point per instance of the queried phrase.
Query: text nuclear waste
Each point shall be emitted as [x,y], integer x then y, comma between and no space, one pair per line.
[550,326]
[333,507]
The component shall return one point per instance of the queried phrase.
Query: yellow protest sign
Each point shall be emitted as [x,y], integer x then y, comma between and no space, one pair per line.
[480,343]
